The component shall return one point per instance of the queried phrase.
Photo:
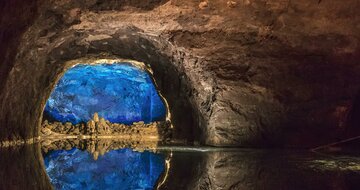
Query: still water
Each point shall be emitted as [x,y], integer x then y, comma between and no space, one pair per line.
[89,165]
[117,169]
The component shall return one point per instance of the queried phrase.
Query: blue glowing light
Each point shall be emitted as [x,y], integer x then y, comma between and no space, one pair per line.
[117,169]
[121,93]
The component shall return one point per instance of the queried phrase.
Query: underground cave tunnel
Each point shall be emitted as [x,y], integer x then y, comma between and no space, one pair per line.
[119,92]
[239,77]
[120,98]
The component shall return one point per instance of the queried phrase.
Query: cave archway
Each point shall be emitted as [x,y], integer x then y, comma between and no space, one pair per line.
[33,77]
[121,91]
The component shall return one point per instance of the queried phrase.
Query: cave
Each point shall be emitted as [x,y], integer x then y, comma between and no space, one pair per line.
[216,89]
[118,92]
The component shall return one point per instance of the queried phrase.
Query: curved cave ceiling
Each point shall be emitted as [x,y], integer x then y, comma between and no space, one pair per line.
[253,73]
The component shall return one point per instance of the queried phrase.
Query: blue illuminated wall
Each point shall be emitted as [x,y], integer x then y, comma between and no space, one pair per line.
[121,93]
[117,169]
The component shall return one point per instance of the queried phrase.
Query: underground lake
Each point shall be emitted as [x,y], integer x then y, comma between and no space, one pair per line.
[104,164]
[179,95]
[106,126]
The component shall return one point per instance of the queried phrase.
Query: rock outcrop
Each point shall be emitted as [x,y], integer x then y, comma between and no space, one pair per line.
[98,127]
[97,147]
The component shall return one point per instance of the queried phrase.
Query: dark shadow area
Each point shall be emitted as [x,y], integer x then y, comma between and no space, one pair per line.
[261,169]
[120,4]
[354,117]
[22,167]
[15,17]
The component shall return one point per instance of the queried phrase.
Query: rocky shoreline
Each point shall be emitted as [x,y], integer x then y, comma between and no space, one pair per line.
[97,147]
[99,127]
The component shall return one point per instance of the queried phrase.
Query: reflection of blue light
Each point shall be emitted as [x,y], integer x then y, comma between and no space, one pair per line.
[120,93]
[117,169]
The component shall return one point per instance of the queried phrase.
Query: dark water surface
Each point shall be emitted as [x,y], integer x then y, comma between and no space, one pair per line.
[29,167]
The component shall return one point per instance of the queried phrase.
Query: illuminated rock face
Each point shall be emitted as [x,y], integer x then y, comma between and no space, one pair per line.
[253,73]
[120,93]
[117,169]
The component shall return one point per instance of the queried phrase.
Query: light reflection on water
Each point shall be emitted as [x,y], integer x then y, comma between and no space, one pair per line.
[117,169]
[175,168]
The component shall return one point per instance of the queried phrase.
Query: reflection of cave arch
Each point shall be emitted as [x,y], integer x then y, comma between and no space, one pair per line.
[35,73]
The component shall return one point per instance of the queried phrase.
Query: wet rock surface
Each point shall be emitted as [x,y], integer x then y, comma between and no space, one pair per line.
[249,73]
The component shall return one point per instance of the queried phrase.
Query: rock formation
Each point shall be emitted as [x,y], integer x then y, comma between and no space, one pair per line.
[249,73]
[97,147]
[98,126]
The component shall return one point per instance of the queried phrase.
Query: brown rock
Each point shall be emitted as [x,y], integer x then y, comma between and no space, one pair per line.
[231,4]
[96,117]
[75,12]
[203,5]
[91,127]
[104,127]
[46,131]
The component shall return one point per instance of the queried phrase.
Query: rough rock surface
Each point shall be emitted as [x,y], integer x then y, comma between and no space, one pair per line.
[120,93]
[248,73]
[96,147]
[96,127]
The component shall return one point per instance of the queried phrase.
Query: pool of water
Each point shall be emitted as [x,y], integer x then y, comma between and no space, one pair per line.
[174,167]
[117,169]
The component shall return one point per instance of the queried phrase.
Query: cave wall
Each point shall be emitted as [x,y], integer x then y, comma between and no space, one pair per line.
[257,73]
[15,18]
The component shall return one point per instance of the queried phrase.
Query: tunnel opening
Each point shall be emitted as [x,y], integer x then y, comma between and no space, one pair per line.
[25,120]
[106,98]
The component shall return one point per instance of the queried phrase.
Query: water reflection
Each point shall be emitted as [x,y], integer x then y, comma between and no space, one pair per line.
[171,167]
[117,169]
[260,169]
[21,167]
